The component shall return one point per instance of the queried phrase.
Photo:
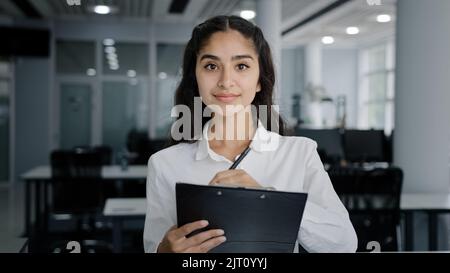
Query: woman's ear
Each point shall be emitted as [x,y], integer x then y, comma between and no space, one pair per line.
[258,87]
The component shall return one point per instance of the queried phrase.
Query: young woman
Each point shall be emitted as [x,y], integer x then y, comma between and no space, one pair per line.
[227,62]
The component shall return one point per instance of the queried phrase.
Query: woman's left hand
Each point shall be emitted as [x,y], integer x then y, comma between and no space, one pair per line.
[235,177]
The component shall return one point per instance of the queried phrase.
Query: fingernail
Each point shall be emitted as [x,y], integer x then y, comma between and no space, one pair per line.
[204,223]
[223,239]
[220,232]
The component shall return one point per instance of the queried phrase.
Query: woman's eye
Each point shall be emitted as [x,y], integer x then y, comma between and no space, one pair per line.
[211,67]
[242,66]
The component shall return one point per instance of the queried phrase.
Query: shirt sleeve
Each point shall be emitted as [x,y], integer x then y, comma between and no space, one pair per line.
[326,226]
[158,217]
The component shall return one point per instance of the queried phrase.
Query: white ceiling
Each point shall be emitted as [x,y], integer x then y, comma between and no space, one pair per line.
[334,23]
[156,10]
[353,13]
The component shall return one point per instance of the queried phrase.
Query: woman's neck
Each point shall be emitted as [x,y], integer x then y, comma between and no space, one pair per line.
[232,131]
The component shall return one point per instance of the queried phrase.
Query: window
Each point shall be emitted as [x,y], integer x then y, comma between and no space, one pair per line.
[123,58]
[170,57]
[101,98]
[376,93]
[124,92]
[75,57]
[124,109]
[292,78]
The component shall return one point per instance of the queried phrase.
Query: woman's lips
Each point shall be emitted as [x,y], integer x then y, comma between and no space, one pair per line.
[226,97]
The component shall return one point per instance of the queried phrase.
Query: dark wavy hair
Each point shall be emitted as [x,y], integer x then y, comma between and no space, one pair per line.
[188,87]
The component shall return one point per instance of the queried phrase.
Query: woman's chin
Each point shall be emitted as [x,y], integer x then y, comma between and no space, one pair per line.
[226,110]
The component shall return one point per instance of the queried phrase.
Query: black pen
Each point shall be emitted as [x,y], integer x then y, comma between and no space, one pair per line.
[239,159]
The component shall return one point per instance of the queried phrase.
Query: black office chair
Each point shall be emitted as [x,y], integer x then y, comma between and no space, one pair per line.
[77,190]
[139,144]
[372,198]
[105,154]
[76,180]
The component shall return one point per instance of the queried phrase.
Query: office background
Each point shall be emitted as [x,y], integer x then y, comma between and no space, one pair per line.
[71,77]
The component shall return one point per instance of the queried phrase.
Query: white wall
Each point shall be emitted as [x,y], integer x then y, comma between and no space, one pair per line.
[292,77]
[422,132]
[340,77]
[422,104]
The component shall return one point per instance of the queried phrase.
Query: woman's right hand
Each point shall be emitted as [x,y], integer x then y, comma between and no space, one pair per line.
[175,240]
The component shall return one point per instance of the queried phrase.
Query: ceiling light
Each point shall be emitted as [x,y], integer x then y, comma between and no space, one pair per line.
[162,75]
[352,30]
[102,9]
[113,63]
[327,40]
[111,56]
[91,72]
[383,18]
[108,42]
[131,73]
[248,14]
[114,67]
[110,49]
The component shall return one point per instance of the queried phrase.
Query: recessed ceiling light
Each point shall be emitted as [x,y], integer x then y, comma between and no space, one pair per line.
[248,14]
[110,49]
[327,40]
[131,73]
[113,63]
[111,56]
[352,30]
[162,75]
[108,42]
[91,72]
[383,18]
[102,9]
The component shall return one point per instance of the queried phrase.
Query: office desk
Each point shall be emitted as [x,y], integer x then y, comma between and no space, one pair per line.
[432,204]
[121,209]
[39,177]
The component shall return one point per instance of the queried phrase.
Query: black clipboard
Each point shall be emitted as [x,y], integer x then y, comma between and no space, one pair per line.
[254,221]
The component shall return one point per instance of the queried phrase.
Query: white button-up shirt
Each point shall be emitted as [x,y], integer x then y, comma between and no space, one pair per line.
[286,163]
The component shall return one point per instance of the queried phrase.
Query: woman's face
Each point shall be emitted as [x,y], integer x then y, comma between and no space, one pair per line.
[227,71]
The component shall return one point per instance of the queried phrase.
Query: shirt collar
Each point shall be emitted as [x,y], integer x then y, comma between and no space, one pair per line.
[262,141]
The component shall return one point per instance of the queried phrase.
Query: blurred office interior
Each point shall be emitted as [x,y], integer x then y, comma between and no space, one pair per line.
[86,89]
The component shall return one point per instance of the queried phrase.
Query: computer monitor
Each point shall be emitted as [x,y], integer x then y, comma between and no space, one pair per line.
[329,143]
[364,145]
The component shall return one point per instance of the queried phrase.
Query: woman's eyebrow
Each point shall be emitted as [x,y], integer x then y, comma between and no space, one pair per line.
[209,56]
[239,57]
[234,58]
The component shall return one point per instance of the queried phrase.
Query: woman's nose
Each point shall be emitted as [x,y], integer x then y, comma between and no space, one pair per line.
[226,79]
